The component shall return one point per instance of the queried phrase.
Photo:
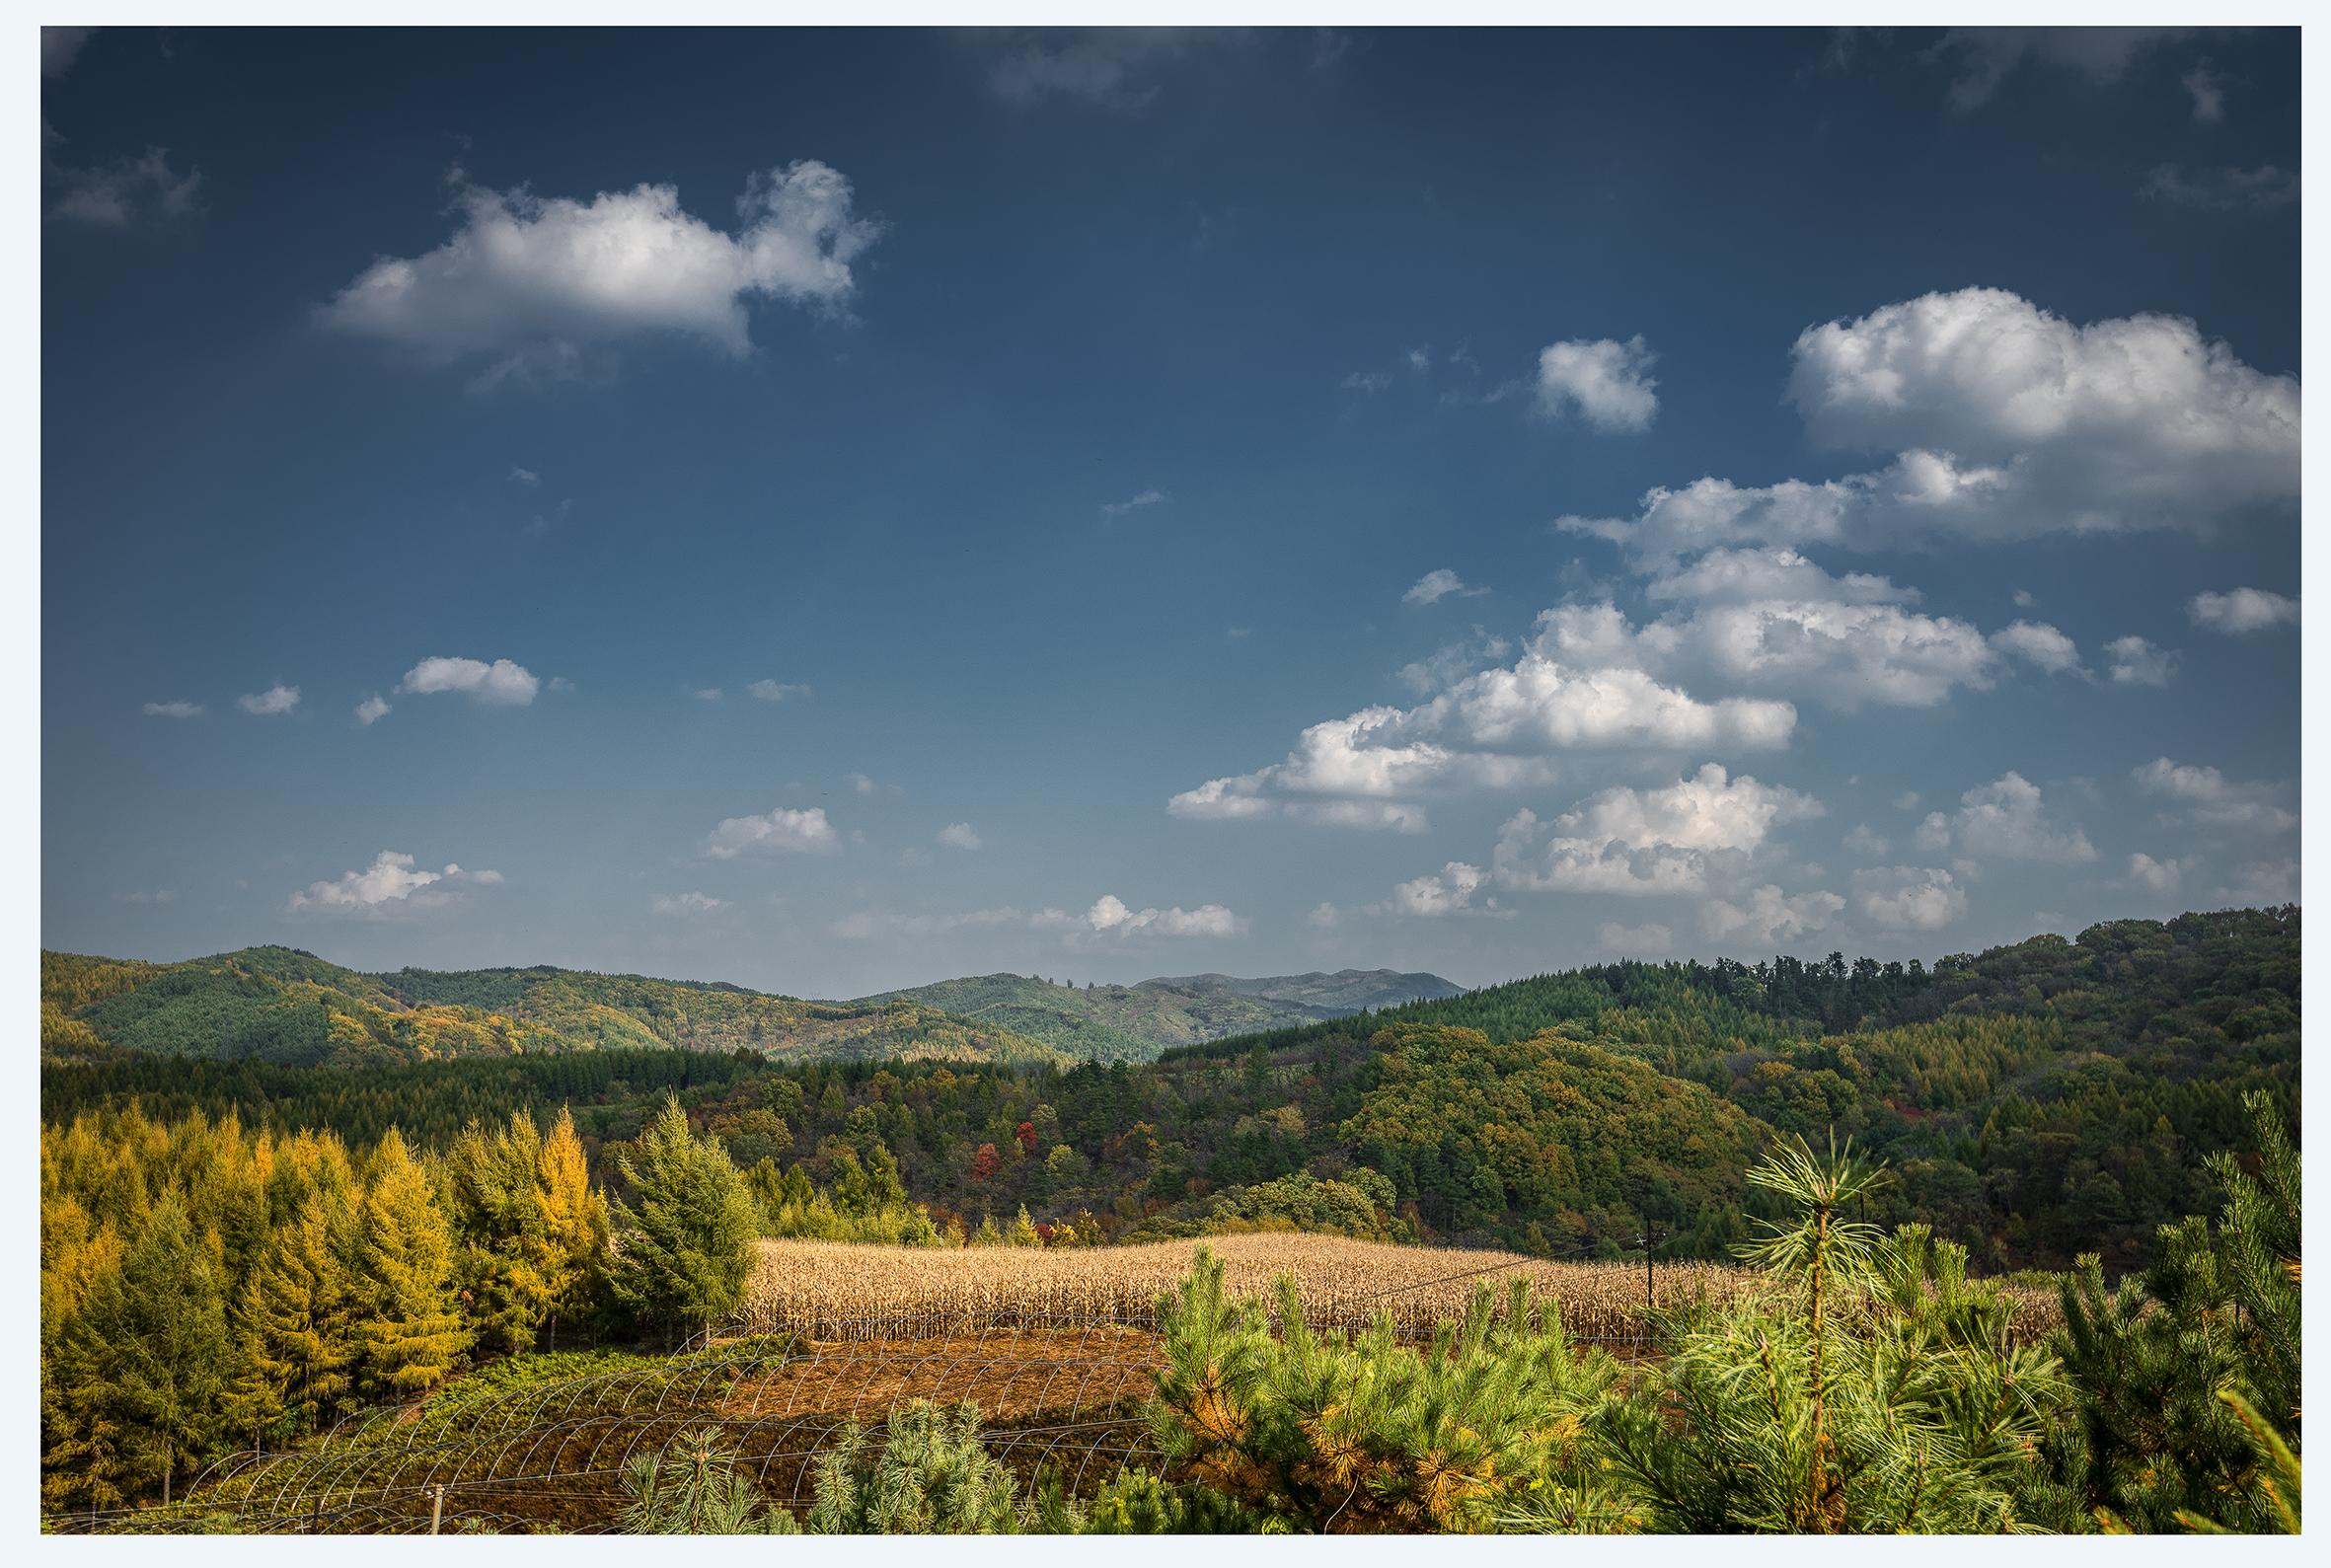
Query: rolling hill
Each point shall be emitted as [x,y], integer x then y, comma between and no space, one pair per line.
[1132,1023]
[281,1005]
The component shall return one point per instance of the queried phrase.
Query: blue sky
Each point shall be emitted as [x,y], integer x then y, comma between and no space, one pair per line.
[835,511]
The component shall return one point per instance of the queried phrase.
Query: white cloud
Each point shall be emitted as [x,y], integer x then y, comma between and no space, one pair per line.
[124,193]
[1607,384]
[1863,841]
[277,699]
[708,694]
[60,47]
[1908,897]
[1109,917]
[780,830]
[680,906]
[2005,820]
[2207,87]
[2263,885]
[372,710]
[861,784]
[866,924]
[1646,842]
[174,710]
[2210,799]
[500,684]
[1439,584]
[1985,57]
[1116,509]
[2241,611]
[1844,653]
[1325,916]
[388,885]
[2157,876]
[1498,728]
[959,836]
[1649,941]
[1769,918]
[542,280]
[1448,664]
[1448,891]
[1762,575]
[1108,66]
[525,477]
[1908,800]
[2038,644]
[2005,422]
[2132,661]
[777,690]
[2264,188]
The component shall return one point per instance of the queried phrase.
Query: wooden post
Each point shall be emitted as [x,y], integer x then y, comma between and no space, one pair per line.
[437,1507]
[1649,1305]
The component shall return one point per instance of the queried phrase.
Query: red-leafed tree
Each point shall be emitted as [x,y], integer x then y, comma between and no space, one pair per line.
[985,1162]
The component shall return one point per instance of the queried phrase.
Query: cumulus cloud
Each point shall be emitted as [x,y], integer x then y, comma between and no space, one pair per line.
[2005,820]
[1448,891]
[1902,898]
[777,690]
[959,836]
[541,281]
[866,924]
[2155,876]
[1865,841]
[277,699]
[500,684]
[1632,840]
[1648,941]
[1445,666]
[2206,798]
[1112,68]
[2004,421]
[2134,661]
[783,830]
[2264,188]
[1439,584]
[2207,87]
[1109,917]
[2263,883]
[372,710]
[2241,611]
[1496,728]
[1841,653]
[60,47]
[1607,384]
[1769,918]
[2038,644]
[1113,510]
[174,710]
[390,885]
[1982,58]
[680,906]
[1325,916]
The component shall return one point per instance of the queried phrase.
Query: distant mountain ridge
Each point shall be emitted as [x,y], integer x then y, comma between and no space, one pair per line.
[1132,1023]
[283,1006]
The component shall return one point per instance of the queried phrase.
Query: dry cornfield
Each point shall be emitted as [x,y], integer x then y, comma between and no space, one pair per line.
[829,1289]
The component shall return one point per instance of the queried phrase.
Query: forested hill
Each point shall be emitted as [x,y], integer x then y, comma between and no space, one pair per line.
[1133,1024]
[281,1005]
[2034,1102]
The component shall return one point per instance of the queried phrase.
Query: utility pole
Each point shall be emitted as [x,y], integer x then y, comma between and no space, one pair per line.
[1648,1302]
[437,1507]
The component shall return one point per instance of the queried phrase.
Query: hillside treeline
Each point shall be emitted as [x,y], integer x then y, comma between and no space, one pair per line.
[2036,1102]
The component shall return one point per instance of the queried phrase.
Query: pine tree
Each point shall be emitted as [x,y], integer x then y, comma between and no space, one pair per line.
[2155,1444]
[685,1238]
[1024,1231]
[571,1238]
[693,1485]
[296,1337]
[492,1199]
[930,1475]
[409,1336]
[141,1369]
